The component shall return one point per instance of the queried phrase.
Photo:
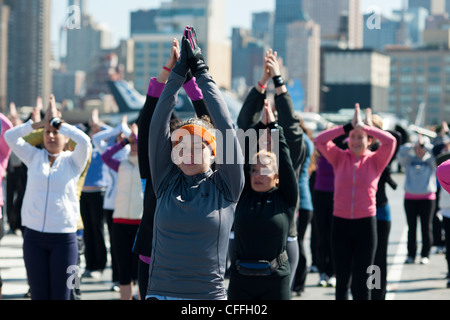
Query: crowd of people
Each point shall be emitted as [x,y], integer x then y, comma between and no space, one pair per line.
[188,202]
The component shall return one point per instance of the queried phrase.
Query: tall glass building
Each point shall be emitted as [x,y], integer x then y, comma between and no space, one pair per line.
[286,11]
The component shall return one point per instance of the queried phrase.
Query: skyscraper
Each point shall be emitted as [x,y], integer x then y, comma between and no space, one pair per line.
[303,59]
[433,6]
[85,42]
[206,16]
[330,15]
[286,11]
[29,51]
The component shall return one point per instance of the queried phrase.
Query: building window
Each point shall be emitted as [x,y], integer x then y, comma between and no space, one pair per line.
[406,60]
[436,59]
[434,100]
[434,69]
[406,79]
[406,89]
[420,79]
[406,70]
[434,89]
[405,99]
[434,79]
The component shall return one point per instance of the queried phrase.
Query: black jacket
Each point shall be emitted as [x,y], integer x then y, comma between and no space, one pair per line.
[249,117]
[262,220]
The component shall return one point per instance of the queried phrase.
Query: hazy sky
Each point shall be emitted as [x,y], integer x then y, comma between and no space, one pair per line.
[115,13]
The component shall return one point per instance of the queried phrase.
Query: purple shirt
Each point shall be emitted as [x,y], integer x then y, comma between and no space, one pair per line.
[324,175]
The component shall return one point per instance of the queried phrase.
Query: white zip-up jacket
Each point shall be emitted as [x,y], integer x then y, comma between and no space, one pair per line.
[51,204]
[129,196]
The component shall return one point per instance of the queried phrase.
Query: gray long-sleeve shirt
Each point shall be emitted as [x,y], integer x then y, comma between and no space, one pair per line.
[194,215]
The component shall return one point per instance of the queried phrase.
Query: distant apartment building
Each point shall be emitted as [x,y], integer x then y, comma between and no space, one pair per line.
[262,27]
[88,41]
[248,56]
[286,11]
[68,84]
[143,21]
[152,48]
[420,76]
[413,21]
[303,60]
[339,20]
[433,6]
[355,76]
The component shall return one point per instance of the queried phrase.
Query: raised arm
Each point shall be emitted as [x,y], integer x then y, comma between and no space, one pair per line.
[99,139]
[288,184]
[288,179]
[159,140]
[325,145]
[14,138]
[83,147]
[253,105]
[229,158]
[107,157]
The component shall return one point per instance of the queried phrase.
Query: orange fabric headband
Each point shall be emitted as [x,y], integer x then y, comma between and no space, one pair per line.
[196,130]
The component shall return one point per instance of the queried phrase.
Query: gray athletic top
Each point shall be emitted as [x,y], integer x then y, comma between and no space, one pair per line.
[194,215]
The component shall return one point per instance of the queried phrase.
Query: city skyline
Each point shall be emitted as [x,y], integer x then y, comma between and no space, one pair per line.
[117,18]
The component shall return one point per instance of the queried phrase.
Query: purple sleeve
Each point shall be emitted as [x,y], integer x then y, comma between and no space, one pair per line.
[192,90]
[155,88]
[108,159]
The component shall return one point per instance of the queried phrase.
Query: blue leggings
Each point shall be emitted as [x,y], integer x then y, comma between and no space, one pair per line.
[47,257]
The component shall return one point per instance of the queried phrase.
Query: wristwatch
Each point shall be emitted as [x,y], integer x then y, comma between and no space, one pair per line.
[56,123]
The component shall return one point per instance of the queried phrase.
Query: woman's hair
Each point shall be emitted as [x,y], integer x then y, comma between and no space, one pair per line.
[266,158]
[204,122]
[200,127]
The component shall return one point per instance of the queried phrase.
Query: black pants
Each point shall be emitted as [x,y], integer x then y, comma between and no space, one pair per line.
[109,223]
[47,257]
[127,262]
[323,216]
[383,231]
[16,181]
[303,221]
[354,245]
[91,206]
[258,288]
[424,209]
[143,269]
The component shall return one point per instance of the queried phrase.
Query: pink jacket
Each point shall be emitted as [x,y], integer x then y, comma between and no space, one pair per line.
[443,175]
[5,152]
[356,178]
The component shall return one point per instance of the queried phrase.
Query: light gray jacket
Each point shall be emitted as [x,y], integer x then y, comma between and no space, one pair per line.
[420,173]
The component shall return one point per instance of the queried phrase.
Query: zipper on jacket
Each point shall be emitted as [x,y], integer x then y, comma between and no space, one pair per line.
[46,200]
[355,166]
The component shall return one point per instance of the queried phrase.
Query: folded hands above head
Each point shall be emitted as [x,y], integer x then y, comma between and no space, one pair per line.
[191,56]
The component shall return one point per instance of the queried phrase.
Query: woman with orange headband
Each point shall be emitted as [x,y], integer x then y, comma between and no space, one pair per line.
[195,205]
